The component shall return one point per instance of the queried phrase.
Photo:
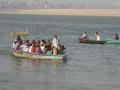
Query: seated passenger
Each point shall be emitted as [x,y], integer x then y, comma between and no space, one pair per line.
[97,36]
[85,35]
[62,49]
[48,48]
[42,47]
[14,45]
[33,49]
[24,47]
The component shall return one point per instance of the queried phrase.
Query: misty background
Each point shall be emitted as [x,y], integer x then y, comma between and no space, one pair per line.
[59,4]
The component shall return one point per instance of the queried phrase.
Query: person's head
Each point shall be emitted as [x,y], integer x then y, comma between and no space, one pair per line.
[26,44]
[18,36]
[116,34]
[38,41]
[33,41]
[55,36]
[43,41]
[97,33]
[27,41]
[62,47]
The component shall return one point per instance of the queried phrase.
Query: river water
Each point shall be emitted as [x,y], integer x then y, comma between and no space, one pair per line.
[88,67]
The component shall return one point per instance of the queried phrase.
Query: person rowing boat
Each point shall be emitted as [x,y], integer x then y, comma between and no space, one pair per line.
[116,36]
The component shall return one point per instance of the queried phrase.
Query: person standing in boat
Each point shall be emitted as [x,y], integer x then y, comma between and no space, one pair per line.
[116,36]
[85,36]
[97,36]
[19,38]
[55,45]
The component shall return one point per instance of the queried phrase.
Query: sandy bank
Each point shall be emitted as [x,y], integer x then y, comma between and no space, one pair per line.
[72,12]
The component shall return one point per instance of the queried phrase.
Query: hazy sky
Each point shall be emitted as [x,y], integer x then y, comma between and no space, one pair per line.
[71,1]
[87,2]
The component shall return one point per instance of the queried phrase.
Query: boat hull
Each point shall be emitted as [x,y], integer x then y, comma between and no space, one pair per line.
[91,41]
[112,41]
[41,57]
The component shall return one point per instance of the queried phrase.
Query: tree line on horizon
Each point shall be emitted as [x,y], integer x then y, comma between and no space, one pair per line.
[46,4]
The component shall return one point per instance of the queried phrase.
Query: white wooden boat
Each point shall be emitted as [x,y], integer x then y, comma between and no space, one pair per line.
[39,56]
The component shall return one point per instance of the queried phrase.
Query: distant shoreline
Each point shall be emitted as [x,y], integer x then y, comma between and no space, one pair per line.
[67,12]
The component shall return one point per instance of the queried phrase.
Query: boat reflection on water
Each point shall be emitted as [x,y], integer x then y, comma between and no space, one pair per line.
[38,71]
[38,64]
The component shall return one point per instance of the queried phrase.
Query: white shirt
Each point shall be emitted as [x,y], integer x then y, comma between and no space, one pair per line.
[30,49]
[42,48]
[84,35]
[98,38]
[55,43]
[24,48]
[14,46]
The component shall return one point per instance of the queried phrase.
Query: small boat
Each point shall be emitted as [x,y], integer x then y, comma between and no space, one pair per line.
[39,56]
[112,41]
[83,40]
[35,56]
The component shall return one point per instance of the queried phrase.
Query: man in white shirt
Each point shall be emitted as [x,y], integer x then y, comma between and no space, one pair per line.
[97,36]
[55,45]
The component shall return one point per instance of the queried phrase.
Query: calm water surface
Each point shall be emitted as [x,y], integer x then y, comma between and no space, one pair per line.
[88,67]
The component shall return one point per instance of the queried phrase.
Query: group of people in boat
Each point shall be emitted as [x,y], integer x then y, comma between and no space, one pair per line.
[48,47]
[97,36]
